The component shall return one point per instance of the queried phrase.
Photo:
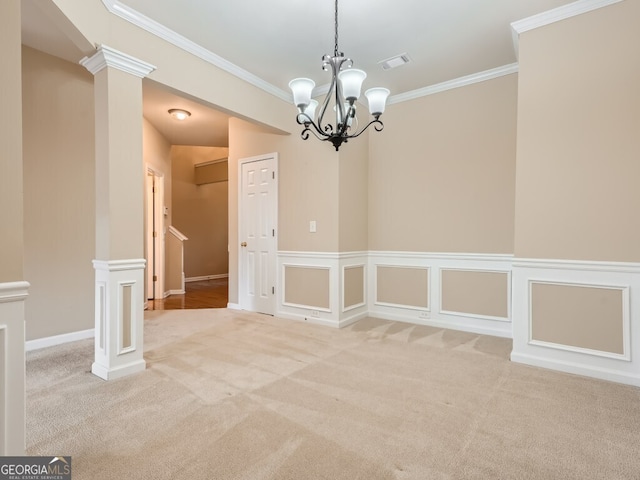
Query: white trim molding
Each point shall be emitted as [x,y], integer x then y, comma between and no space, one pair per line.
[136,18]
[61,339]
[433,314]
[335,315]
[12,373]
[203,278]
[106,56]
[455,83]
[625,277]
[14,291]
[555,15]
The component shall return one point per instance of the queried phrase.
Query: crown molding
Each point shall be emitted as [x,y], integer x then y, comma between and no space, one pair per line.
[455,83]
[109,57]
[555,15]
[136,18]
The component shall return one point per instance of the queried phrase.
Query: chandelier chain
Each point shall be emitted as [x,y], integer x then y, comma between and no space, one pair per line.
[335,50]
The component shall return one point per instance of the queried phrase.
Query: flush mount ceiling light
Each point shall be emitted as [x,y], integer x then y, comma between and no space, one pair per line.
[179,114]
[346,83]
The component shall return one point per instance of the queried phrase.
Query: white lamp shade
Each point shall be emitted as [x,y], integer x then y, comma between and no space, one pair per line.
[346,112]
[301,88]
[310,111]
[351,80]
[377,100]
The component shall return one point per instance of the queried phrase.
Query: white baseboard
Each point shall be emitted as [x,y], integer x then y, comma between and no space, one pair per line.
[309,319]
[174,292]
[45,342]
[577,369]
[234,306]
[206,277]
[502,330]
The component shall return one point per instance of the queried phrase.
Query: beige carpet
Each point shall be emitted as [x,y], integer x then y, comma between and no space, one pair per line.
[232,395]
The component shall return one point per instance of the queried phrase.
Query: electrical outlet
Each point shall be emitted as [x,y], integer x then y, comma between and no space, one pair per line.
[424,315]
[315,313]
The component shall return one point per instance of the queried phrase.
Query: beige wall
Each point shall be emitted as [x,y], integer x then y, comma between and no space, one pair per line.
[200,212]
[442,173]
[11,174]
[353,194]
[578,138]
[176,68]
[59,186]
[156,152]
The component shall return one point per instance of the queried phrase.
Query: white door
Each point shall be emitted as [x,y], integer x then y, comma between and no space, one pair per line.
[258,229]
[155,235]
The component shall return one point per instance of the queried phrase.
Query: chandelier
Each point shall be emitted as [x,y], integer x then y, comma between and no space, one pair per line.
[346,83]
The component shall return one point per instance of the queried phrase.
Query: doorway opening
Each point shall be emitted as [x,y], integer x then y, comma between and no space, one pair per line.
[155,235]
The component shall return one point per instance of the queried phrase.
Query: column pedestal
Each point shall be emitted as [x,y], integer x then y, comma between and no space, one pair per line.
[119,318]
[12,368]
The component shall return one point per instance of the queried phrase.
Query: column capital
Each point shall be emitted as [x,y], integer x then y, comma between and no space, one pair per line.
[110,57]
[13,291]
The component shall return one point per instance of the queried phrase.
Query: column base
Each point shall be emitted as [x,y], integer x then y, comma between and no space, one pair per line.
[12,368]
[119,317]
[118,372]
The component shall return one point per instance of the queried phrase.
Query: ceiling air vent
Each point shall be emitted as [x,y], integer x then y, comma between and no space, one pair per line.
[394,62]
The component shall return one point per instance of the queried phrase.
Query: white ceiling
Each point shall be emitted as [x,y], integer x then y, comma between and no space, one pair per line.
[277,40]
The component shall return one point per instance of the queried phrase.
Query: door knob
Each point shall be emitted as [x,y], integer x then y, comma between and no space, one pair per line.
[243,244]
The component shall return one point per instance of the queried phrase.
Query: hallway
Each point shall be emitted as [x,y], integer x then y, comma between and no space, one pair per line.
[202,294]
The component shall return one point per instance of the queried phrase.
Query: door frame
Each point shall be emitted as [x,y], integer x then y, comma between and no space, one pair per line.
[241,289]
[155,217]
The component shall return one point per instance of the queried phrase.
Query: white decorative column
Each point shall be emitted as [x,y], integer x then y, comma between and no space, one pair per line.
[119,264]
[119,318]
[13,288]
[12,368]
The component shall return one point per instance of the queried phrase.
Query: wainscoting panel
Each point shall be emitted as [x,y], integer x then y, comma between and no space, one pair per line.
[354,280]
[578,317]
[335,285]
[12,373]
[402,286]
[307,287]
[429,300]
[475,293]
[3,386]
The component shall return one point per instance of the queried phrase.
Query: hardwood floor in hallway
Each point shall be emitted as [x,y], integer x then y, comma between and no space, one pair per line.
[202,294]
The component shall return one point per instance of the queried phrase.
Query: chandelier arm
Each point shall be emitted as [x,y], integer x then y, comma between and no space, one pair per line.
[378,125]
[325,104]
[310,123]
[322,137]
